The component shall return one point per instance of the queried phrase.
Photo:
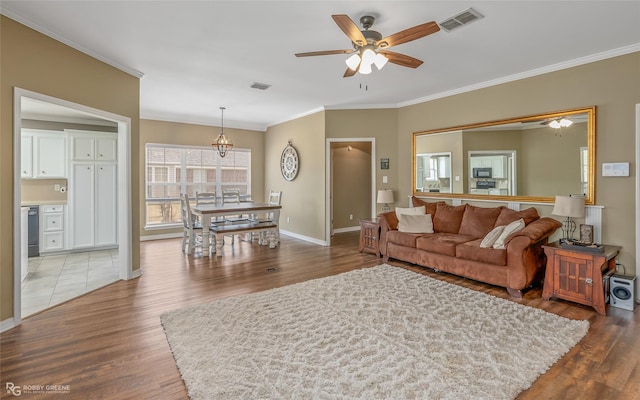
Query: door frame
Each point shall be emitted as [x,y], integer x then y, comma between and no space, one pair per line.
[637,294]
[329,180]
[124,188]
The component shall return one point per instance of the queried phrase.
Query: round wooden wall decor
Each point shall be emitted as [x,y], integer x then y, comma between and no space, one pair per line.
[289,162]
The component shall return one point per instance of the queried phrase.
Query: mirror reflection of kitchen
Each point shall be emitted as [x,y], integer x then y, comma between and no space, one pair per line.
[492,173]
[433,172]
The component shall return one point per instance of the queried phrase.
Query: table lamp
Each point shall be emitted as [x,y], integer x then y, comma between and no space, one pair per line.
[568,207]
[385,197]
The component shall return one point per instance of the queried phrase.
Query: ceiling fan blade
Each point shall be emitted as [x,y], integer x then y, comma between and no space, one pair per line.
[408,35]
[349,72]
[402,59]
[323,53]
[350,29]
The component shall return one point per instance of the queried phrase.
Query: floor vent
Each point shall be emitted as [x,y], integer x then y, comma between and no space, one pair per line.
[260,86]
[462,18]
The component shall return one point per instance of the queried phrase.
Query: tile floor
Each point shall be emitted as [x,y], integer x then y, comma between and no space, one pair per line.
[57,278]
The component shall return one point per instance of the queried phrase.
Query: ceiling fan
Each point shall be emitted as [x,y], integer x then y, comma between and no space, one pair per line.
[369,47]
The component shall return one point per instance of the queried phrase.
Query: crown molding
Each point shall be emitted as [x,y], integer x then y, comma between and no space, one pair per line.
[25,21]
[528,74]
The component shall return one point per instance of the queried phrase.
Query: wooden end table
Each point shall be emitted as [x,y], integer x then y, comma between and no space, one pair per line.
[369,236]
[576,275]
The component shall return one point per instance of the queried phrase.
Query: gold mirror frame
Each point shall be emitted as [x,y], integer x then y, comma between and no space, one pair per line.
[591,156]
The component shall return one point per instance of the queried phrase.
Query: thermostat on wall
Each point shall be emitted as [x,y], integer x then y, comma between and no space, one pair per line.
[615,169]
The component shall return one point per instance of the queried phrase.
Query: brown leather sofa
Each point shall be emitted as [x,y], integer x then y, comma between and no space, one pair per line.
[454,247]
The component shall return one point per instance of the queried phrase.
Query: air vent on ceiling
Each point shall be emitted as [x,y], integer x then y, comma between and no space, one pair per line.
[260,86]
[462,18]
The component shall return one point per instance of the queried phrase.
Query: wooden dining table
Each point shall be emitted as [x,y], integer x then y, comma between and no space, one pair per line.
[206,211]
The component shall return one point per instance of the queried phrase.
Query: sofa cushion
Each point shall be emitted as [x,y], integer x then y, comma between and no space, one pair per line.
[472,251]
[491,237]
[508,215]
[478,221]
[441,243]
[448,218]
[410,210]
[403,238]
[430,207]
[415,223]
[515,226]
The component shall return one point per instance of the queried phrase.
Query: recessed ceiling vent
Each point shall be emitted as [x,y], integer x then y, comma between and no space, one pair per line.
[260,86]
[462,18]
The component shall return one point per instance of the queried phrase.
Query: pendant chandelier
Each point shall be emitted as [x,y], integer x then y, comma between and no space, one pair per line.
[222,143]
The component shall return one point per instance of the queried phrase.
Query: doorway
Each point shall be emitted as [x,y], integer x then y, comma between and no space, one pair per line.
[350,191]
[121,257]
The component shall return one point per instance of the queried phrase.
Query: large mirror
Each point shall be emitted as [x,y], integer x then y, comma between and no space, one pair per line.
[532,158]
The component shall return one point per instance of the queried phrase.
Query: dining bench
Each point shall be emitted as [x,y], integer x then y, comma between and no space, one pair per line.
[267,230]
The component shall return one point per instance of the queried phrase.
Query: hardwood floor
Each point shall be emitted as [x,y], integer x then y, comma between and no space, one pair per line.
[110,344]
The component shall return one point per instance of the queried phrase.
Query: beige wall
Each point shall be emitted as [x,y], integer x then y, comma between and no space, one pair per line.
[303,199]
[38,63]
[162,132]
[552,154]
[381,124]
[611,85]
[351,166]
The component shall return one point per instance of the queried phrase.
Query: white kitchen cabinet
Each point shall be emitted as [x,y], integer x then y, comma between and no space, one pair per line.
[87,145]
[106,205]
[499,167]
[444,167]
[93,195]
[26,156]
[51,228]
[481,162]
[48,158]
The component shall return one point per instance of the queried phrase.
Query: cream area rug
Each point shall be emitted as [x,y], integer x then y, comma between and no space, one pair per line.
[374,333]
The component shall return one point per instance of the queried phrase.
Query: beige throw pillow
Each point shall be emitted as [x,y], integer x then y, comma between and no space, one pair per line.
[411,210]
[492,236]
[420,223]
[508,230]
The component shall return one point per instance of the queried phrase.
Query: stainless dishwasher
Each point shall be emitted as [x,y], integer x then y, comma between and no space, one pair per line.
[34,231]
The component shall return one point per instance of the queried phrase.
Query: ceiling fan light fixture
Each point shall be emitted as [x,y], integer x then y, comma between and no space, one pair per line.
[380,61]
[561,123]
[368,57]
[365,68]
[353,61]
[565,122]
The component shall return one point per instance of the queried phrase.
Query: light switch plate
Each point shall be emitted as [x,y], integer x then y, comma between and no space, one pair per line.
[615,169]
[385,179]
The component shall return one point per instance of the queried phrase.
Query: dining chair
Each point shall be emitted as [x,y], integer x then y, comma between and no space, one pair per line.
[205,198]
[208,198]
[192,229]
[274,199]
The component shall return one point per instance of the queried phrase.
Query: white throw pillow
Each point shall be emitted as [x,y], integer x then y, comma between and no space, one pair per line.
[419,223]
[411,210]
[492,236]
[508,230]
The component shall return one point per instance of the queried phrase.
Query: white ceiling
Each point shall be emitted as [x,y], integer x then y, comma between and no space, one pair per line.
[195,56]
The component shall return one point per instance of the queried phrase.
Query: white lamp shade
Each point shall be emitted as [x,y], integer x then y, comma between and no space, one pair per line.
[368,56]
[380,61]
[385,196]
[567,206]
[353,62]
[365,68]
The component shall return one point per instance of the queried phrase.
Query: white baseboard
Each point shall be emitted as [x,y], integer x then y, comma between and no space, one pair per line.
[305,238]
[161,236]
[282,232]
[347,229]
[7,324]
[136,273]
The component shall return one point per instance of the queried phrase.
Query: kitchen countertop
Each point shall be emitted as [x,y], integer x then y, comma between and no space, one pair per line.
[42,203]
